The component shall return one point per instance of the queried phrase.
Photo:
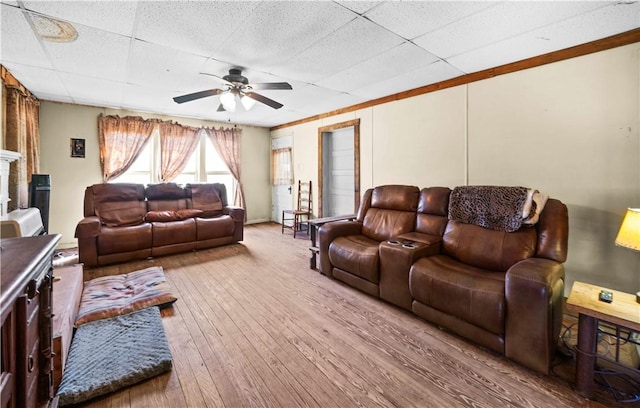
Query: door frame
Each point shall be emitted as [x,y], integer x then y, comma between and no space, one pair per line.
[355,123]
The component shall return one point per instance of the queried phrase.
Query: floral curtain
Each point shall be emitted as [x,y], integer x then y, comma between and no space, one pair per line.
[177,144]
[227,143]
[22,136]
[121,140]
[281,167]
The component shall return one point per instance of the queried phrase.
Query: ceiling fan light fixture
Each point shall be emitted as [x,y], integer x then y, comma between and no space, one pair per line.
[228,100]
[247,102]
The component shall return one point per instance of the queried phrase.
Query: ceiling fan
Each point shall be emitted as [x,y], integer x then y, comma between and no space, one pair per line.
[237,87]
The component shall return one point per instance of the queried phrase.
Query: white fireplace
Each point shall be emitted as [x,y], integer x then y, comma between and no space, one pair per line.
[6,157]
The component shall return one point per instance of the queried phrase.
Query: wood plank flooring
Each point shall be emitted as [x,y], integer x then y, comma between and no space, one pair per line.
[255,327]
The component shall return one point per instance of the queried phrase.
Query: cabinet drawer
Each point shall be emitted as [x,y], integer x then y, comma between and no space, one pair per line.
[33,359]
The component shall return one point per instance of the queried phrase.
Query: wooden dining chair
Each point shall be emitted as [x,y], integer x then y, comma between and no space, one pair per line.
[298,218]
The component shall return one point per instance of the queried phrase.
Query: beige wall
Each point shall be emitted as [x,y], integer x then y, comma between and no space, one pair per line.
[569,129]
[69,176]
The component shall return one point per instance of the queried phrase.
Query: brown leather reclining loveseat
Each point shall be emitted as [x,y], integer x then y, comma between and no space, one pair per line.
[503,290]
[124,221]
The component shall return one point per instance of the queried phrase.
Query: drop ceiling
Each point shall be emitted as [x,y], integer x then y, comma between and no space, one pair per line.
[138,55]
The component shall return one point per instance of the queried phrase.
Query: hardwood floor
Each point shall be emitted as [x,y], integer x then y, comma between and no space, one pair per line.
[254,326]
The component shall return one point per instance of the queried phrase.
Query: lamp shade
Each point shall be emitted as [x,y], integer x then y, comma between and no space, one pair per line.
[228,100]
[629,233]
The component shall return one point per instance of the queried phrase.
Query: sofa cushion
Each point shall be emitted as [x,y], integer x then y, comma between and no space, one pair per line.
[167,205]
[164,191]
[107,192]
[113,240]
[394,197]
[205,197]
[488,249]
[121,213]
[209,228]
[356,254]
[468,293]
[175,232]
[167,216]
[381,224]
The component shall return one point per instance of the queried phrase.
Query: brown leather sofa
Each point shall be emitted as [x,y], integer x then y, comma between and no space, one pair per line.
[124,221]
[502,290]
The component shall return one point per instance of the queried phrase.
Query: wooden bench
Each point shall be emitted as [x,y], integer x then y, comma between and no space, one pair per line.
[67,290]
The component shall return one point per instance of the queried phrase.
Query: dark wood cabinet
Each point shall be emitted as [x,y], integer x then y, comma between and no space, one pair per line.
[26,378]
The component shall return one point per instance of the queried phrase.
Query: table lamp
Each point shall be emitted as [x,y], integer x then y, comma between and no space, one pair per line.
[629,233]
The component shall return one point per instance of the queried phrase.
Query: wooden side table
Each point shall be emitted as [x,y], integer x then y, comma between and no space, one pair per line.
[622,312]
[313,230]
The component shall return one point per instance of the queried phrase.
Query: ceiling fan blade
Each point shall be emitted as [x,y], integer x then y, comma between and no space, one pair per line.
[224,81]
[264,99]
[197,95]
[220,108]
[271,85]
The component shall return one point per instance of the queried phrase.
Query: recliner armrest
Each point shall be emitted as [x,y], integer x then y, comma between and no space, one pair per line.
[237,213]
[327,233]
[88,227]
[534,290]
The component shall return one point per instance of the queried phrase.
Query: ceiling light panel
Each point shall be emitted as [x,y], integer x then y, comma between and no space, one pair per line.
[411,19]
[353,43]
[500,23]
[199,27]
[600,23]
[113,16]
[277,31]
[19,42]
[94,53]
[382,66]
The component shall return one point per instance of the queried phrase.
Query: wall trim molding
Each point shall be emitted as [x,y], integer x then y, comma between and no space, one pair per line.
[603,44]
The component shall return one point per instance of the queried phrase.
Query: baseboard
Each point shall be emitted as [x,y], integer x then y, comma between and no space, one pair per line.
[258,220]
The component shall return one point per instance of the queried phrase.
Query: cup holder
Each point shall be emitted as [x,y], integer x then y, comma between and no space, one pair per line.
[403,243]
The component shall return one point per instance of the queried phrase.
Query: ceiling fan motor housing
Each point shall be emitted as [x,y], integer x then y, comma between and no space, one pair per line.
[235,76]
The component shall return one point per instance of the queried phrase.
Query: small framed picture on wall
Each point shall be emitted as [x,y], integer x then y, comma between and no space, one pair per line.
[77,148]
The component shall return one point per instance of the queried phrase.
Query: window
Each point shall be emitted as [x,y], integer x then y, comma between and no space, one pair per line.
[281,166]
[204,166]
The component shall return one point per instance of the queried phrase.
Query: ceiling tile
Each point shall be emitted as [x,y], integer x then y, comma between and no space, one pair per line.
[407,56]
[96,53]
[113,16]
[45,80]
[413,18]
[276,31]
[600,23]
[198,27]
[436,72]
[19,43]
[92,91]
[151,64]
[499,23]
[359,7]
[353,43]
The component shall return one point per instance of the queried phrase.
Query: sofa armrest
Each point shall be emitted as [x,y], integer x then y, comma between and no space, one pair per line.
[88,227]
[534,290]
[237,213]
[87,232]
[327,233]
